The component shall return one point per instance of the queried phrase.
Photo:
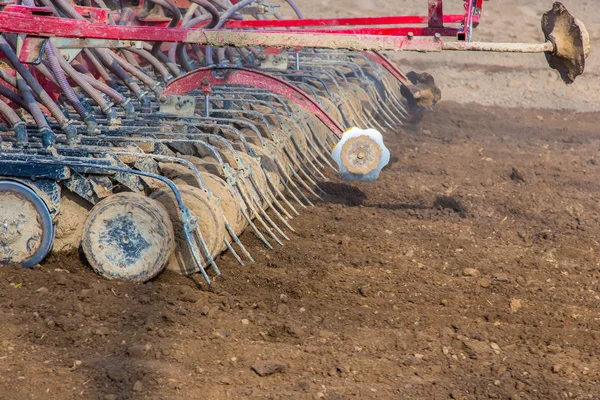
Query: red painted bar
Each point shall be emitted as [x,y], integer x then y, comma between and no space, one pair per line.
[291,23]
[70,28]
[252,78]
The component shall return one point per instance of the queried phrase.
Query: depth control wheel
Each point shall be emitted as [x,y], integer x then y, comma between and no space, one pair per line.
[26,231]
[128,236]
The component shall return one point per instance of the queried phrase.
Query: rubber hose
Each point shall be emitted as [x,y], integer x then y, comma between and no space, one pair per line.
[119,99]
[14,97]
[108,60]
[48,138]
[192,9]
[162,57]
[16,123]
[166,5]
[224,17]
[154,85]
[181,47]
[89,89]
[9,113]
[156,64]
[36,88]
[100,68]
[57,69]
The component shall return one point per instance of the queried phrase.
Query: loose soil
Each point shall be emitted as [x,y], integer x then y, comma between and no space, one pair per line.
[468,270]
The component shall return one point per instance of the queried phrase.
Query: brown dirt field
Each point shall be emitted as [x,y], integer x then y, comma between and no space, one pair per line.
[468,270]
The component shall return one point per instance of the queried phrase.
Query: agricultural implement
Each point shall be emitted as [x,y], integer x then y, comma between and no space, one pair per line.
[152,134]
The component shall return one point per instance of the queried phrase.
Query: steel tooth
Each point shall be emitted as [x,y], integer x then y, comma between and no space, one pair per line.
[289,191]
[232,251]
[301,170]
[275,187]
[255,229]
[239,243]
[255,189]
[269,197]
[291,182]
[255,213]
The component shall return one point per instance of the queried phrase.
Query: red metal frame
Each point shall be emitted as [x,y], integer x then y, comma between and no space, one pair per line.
[70,28]
[370,33]
[205,77]
[373,32]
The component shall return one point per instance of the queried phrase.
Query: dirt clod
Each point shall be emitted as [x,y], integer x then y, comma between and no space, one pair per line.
[268,367]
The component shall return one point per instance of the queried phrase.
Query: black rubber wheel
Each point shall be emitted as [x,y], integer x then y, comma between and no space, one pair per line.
[26,230]
[128,236]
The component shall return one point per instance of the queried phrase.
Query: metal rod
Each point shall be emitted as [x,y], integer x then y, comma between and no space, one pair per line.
[499,47]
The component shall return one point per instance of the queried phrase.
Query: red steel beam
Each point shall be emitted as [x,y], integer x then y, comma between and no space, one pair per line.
[301,23]
[252,78]
[70,28]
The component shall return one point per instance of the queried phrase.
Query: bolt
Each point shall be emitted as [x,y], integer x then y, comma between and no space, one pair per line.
[361,155]
[411,35]
[437,37]
[206,81]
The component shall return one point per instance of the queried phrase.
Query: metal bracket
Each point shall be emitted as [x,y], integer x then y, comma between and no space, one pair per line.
[179,105]
[275,61]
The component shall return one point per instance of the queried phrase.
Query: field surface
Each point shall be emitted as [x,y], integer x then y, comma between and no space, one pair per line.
[469,270]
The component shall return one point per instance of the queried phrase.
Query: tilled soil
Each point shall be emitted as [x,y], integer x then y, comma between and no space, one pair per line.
[469,270]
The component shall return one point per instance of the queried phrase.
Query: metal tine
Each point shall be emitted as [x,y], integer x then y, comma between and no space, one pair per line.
[266,123]
[200,181]
[232,176]
[249,220]
[286,128]
[387,114]
[291,181]
[311,159]
[273,185]
[380,73]
[242,168]
[288,153]
[321,148]
[291,114]
[300,168]
[245,170]
[337,71]
[296,120]
[342,101]
[398,102]
[254,194]
[276,160]
[248,149]
[267,198]
[339,101]
[368,87]
[319,142]
[257,214]
[383,107]
[268,189]
[280,195]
